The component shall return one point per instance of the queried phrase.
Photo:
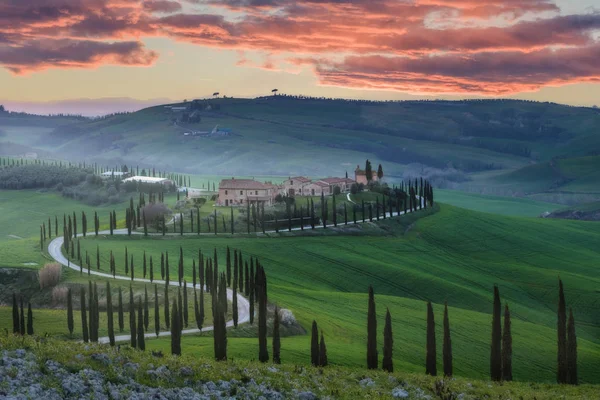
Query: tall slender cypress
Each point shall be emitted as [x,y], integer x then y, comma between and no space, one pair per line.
[388,344]
[507,347]
[571,351]
[70,321]
[141,343]
[314,345]
[562,335]
[228,267]
[120,310]
[132,321]
[276,338]
[323,352]
[372,356]
[447,345]
[84,325]
[146,309]
[185,305]
[22,319]
[15,316]
[496,348]
[167,319]
[430,360]
[109,315]
[156,312]
[29,319]
[234,304]
[175,330]
[180,307]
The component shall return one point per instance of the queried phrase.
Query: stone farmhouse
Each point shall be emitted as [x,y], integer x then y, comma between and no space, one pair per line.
[360,176]
[302,186]
[240,192]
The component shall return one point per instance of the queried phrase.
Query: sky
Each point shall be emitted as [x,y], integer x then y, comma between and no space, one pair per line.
[151,51]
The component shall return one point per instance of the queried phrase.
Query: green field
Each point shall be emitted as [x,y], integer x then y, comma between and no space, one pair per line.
[511,206]
[454,255]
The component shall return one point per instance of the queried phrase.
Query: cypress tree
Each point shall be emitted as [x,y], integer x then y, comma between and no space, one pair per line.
[167,319]
[431,358]
[167,277]
[141,343]
[144,265]
[97,257]
[70,321]
[276,338]
[322,352]
[345,213]
[15,316]
[314,345]
[145,225]
[180,307]
[447,345]
[388,344]
[180,222]
[247,281]
[22,319]
[132,268]
[496,349]
[241,280]
[109,315]
[29,320]
[180,266]
[120,311]
[196,310]
[126,262]
[185,304]
[572,378]
[84,325]
[372,357]
[228,267]
[194,280]
[132,321]
[507,347]
[562,336]
[234,304]
[156,312]
[146,312]
[162,266]
[201,314]
[175,330]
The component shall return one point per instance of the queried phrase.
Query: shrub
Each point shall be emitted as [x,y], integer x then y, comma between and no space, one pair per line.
[60,295]
[49,275]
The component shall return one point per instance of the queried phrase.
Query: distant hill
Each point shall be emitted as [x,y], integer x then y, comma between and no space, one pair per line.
[584,212]
[499,144]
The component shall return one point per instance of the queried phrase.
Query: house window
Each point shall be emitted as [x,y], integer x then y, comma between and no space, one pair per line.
[242,201]
[226,192]
[257,192]
[291,182]
[241,192]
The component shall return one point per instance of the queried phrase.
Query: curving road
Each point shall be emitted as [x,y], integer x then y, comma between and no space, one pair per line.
[54,249]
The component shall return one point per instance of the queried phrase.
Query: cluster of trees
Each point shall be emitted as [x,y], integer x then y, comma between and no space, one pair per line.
[20,327]
[35,176]
[501,342]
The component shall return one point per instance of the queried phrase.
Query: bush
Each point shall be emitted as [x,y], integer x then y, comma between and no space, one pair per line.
[49,275]
[59,295]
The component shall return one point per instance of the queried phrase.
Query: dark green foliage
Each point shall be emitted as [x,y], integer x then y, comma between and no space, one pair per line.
[132,268]
[234,304]
[167,319]
[372,356]
[84,325]
[276,338]
[388,344]
[185,304]
[146,312]
[180,266]
[120,311]
[22,320]
[162,266]
[507,347]
[447,345]
[175,330]
[156,312]
[572,378]
[141,343]
[70,321]
[201,314]
[132,321]
[323,352]
[15,315]
[314,345]
[431,357]
[496,348]
[228,267]
[29,320]
[561,376]
[109,315]
[180,307]
[144,265]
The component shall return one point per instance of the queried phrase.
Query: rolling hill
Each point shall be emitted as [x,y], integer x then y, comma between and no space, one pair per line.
[500,145]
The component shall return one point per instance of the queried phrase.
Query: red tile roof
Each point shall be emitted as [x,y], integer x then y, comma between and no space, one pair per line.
[333,180]
[300,179]
[242,184]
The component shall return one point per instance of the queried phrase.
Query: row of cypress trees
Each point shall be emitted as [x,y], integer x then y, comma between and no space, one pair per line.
[18,317]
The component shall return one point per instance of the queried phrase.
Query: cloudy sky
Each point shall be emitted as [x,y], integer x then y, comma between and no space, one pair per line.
[53,50]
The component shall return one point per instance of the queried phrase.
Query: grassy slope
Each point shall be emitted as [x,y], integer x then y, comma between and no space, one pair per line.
[455,255]
[510,206]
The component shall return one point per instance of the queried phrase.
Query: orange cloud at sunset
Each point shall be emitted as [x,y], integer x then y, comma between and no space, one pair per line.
[490,47]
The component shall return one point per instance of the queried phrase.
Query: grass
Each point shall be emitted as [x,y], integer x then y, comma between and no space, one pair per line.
[455,255]
[511,206]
